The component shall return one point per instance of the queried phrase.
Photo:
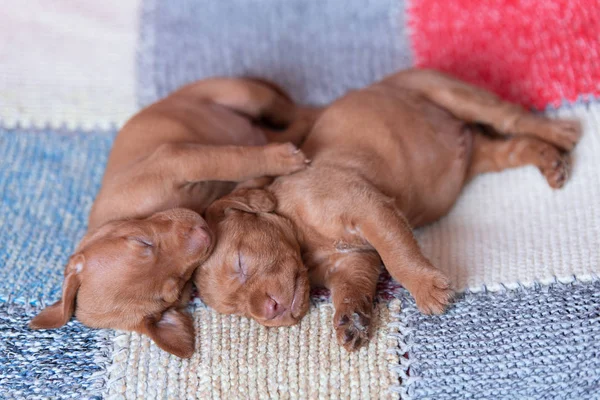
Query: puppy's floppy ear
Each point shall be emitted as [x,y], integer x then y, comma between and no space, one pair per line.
[247,200]
[59,313]
[173,331]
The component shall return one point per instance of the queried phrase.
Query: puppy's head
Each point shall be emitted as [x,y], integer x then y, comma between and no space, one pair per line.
[131,275]
[256,268]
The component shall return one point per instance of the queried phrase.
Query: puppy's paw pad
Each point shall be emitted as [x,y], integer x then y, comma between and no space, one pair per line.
[352,326]
[289,158]
[557,169]
[564,133]
[462,146]
[433,293]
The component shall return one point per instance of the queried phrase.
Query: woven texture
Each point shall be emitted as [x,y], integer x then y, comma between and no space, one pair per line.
[238,358]
[315,49]
[71,67]
[67,63]
[66,363]
[48,181]
[542,343]
[511,229]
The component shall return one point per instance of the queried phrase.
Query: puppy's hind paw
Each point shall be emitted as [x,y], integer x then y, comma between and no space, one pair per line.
[557,171]
[352,322]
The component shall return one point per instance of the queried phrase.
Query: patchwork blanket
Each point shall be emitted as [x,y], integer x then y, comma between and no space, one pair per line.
[525,258]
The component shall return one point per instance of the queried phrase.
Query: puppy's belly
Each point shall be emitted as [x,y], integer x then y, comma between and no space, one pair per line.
[324,258]
[435,189]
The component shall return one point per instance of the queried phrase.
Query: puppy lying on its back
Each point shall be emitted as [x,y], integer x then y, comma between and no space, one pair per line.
[145,235]
[386,159]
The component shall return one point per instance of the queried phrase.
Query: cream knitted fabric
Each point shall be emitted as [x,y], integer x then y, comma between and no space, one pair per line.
[510,229]
[67,63]
[238,358]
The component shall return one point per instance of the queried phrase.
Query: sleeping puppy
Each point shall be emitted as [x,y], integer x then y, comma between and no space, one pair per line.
[145,235]
[386,159]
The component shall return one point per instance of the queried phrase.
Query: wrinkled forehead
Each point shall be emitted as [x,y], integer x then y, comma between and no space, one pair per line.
[254,232]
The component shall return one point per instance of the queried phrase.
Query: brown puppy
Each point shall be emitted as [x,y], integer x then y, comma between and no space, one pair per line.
[145,235]
[386,159]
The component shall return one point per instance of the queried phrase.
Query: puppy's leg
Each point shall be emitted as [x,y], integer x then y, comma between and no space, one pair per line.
[255,183]
[492,155]
[257,100]
[386,229]
[190,162]
[473,104]
[352,279]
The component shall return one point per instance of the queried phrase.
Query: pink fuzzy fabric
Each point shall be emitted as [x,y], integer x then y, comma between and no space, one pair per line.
[537,53]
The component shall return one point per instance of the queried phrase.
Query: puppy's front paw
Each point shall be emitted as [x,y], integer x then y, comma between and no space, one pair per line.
[288,158]
[352,322]
[432,292]
[563,133]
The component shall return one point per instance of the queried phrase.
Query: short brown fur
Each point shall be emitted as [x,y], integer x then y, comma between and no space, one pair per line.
[145,236]
[386,159]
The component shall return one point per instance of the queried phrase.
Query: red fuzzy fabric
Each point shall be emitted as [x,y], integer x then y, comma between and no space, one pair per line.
[536,53]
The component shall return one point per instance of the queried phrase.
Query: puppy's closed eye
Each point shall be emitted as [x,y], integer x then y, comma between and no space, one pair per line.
[141,241]
[241,268]
[143,245]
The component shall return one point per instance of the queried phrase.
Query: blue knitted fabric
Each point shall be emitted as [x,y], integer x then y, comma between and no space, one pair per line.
[48,181]
[66,363]
[316,49]
[541,343]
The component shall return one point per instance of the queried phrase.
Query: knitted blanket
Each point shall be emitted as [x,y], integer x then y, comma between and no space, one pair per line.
[526,259]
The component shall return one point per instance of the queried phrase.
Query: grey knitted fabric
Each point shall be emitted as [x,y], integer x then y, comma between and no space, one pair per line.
[541,343]
[64,363]
[316,49]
